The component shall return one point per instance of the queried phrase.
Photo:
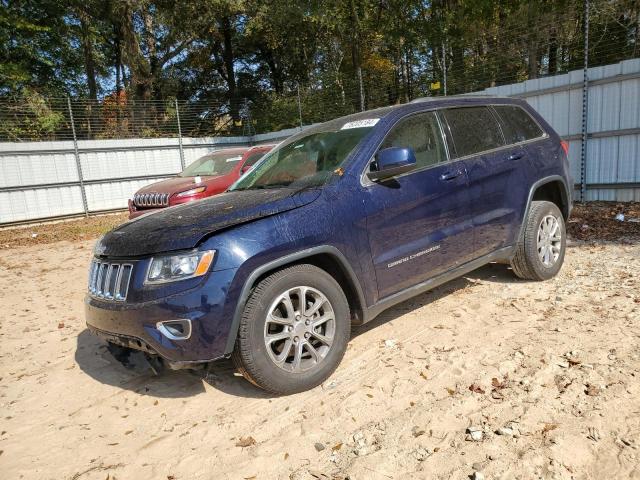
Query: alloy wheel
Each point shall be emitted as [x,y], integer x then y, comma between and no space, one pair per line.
[549,241]
[299,329]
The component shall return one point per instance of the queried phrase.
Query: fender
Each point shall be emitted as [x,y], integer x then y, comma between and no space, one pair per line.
[280,262]
[532,190]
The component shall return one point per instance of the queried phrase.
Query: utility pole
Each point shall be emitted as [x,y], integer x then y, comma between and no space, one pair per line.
[76,153]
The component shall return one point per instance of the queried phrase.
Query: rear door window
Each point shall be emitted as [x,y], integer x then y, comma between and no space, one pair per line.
[473,130]
[421,133]
[517,124]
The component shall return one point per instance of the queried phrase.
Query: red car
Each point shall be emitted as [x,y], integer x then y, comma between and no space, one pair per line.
[207,176]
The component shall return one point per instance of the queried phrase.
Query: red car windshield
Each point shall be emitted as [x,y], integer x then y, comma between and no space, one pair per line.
[212,164]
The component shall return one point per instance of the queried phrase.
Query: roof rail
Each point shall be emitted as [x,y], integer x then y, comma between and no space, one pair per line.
[445,97]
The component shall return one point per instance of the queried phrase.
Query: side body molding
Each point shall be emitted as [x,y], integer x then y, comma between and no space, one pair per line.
[282,261]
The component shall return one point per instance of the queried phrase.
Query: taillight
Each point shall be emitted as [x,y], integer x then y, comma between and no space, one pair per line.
[565,147]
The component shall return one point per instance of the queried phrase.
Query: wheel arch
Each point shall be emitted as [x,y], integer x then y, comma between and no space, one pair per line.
[553,182]
[553,190]
[326,257]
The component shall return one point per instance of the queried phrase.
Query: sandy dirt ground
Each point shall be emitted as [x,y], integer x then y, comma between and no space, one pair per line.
[490,374]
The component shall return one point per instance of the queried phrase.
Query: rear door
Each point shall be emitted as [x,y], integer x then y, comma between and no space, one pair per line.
[493,170]
[418,223]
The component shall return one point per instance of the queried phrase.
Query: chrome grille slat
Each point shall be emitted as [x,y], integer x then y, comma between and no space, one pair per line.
[93,272]
[112,278]
[101,272]
[109,280]
[123,284]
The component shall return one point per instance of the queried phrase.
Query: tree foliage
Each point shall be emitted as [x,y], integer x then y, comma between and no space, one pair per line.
[229,57]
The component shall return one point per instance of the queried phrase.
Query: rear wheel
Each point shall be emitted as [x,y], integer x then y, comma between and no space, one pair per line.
[541,247]
[294,330]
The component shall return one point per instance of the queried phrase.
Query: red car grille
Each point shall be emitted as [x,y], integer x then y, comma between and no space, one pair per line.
[151,200]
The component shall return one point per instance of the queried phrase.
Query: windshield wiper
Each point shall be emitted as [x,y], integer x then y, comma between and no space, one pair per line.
[263,187]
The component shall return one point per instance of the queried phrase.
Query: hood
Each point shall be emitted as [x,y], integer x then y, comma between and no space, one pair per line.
[184,226]
[175,185]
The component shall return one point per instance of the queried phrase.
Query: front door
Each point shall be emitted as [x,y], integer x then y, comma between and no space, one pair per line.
[418,223]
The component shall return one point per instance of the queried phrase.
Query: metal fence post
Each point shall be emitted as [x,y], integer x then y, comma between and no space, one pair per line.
[180,136]
[78,164]
[585,106]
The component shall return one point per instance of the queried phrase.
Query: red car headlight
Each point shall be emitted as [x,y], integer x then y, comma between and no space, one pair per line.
[193,191]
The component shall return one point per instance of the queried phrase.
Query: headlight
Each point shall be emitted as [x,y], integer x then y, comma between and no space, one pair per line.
[193,191]
[170,268]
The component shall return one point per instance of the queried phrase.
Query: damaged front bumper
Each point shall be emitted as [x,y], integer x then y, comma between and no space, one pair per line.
[183,329]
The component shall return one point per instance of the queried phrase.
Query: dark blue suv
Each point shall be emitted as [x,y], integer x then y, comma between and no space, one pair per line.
[336,224]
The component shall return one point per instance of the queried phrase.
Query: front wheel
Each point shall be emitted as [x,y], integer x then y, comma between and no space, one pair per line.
[294,330]
[541,247]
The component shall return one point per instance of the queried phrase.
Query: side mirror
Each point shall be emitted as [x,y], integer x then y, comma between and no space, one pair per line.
[393,161]
[245,169]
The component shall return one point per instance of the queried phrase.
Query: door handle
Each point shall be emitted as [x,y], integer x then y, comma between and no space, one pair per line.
[446,176]
[515,156]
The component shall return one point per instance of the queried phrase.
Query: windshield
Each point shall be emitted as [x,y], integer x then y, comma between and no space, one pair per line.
[212,164]
[307,159]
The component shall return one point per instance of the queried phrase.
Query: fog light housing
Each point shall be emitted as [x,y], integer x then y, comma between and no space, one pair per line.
[175,329]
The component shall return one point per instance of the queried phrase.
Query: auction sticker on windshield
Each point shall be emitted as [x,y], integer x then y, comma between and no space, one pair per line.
[367,122]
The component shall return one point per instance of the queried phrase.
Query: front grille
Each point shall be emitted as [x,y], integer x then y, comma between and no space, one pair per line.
[109,280]
[151,200]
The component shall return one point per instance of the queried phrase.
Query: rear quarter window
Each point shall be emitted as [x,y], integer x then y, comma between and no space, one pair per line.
[473,130]
[517,124]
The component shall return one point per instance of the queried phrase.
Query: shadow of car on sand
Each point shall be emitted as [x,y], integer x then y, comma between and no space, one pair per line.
[94,359]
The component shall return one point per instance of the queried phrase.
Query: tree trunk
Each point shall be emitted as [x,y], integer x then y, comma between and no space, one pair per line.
[117,54]
[355,51]
[276,73]
[139,70]
[532,52]
[553,53]
[150,41]
[229,60]
[87,50]
[407,65]
[456,70]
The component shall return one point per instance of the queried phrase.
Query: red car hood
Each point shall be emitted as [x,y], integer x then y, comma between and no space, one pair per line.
[178,184]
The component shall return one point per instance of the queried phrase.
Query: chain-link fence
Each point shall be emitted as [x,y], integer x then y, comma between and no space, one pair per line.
[549,42]
[97,152]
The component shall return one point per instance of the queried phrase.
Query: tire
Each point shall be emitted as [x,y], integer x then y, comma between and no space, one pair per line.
[527,262]
[268,315]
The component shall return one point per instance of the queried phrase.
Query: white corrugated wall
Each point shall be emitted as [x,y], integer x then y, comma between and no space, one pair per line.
[614,111]
[109,170]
